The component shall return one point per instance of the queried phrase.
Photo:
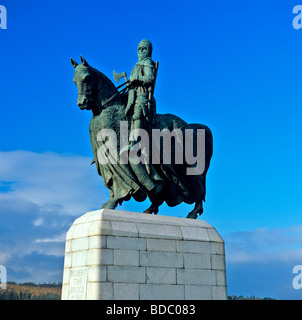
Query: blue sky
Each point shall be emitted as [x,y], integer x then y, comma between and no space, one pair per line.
[232,65]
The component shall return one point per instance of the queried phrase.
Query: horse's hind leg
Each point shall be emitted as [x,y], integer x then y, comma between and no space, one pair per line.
[154,206]
[198,209]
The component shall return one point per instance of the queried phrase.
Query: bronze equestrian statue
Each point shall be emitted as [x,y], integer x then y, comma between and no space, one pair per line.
[122,130]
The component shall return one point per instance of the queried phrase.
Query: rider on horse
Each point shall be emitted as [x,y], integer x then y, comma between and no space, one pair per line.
[142,82]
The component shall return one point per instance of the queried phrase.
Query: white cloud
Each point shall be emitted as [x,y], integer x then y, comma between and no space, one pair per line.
[50,178]
[263,245]
[260,262]
[40,197]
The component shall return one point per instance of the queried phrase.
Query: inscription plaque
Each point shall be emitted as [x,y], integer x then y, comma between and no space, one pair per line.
[78,282]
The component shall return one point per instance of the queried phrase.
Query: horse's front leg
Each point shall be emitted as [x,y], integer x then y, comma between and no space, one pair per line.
[111,203]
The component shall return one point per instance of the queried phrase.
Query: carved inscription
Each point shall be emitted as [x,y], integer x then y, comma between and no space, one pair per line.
[78,283]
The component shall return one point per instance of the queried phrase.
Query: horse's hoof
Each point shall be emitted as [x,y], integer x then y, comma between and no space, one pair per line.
[192,215]
[109,205]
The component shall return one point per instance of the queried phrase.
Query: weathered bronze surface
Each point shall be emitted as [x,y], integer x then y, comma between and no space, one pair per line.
[135,105]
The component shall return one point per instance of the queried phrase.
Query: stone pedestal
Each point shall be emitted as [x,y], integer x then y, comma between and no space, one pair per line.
[120,255]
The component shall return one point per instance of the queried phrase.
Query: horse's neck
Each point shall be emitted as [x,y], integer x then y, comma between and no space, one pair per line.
[106,89]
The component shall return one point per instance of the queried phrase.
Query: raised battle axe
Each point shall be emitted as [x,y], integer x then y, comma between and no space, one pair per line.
[117,77]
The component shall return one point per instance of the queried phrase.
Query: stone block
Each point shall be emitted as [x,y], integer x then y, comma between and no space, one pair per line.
[126,291]
[67,260]
[78,231]
[196,277]
[122,228]
[195,292]
[213,235]
[218,262]
[80,244]
[65,291]
[99,291]
[97,274]
[66,275]
[79,258]
[98,228]
[161,275]
[161,245]
[97,242]
[117,242]
[219,248]
[192,233]
[126,257]
[126,274]
[149,230]
[196,247]
[68,246]
[219,293]
[99,257]
[197,261]
[161,259]
[162,292]
[220,277]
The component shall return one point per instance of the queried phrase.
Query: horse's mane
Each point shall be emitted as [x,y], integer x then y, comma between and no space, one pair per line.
[106,88]
[104,77]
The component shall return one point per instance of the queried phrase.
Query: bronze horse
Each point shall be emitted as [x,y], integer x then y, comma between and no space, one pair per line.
[161,182]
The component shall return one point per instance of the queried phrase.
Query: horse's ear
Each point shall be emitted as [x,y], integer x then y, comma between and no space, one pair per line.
[73,62]
[84,62]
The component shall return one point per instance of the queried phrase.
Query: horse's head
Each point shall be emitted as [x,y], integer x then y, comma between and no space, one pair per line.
[93,86]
